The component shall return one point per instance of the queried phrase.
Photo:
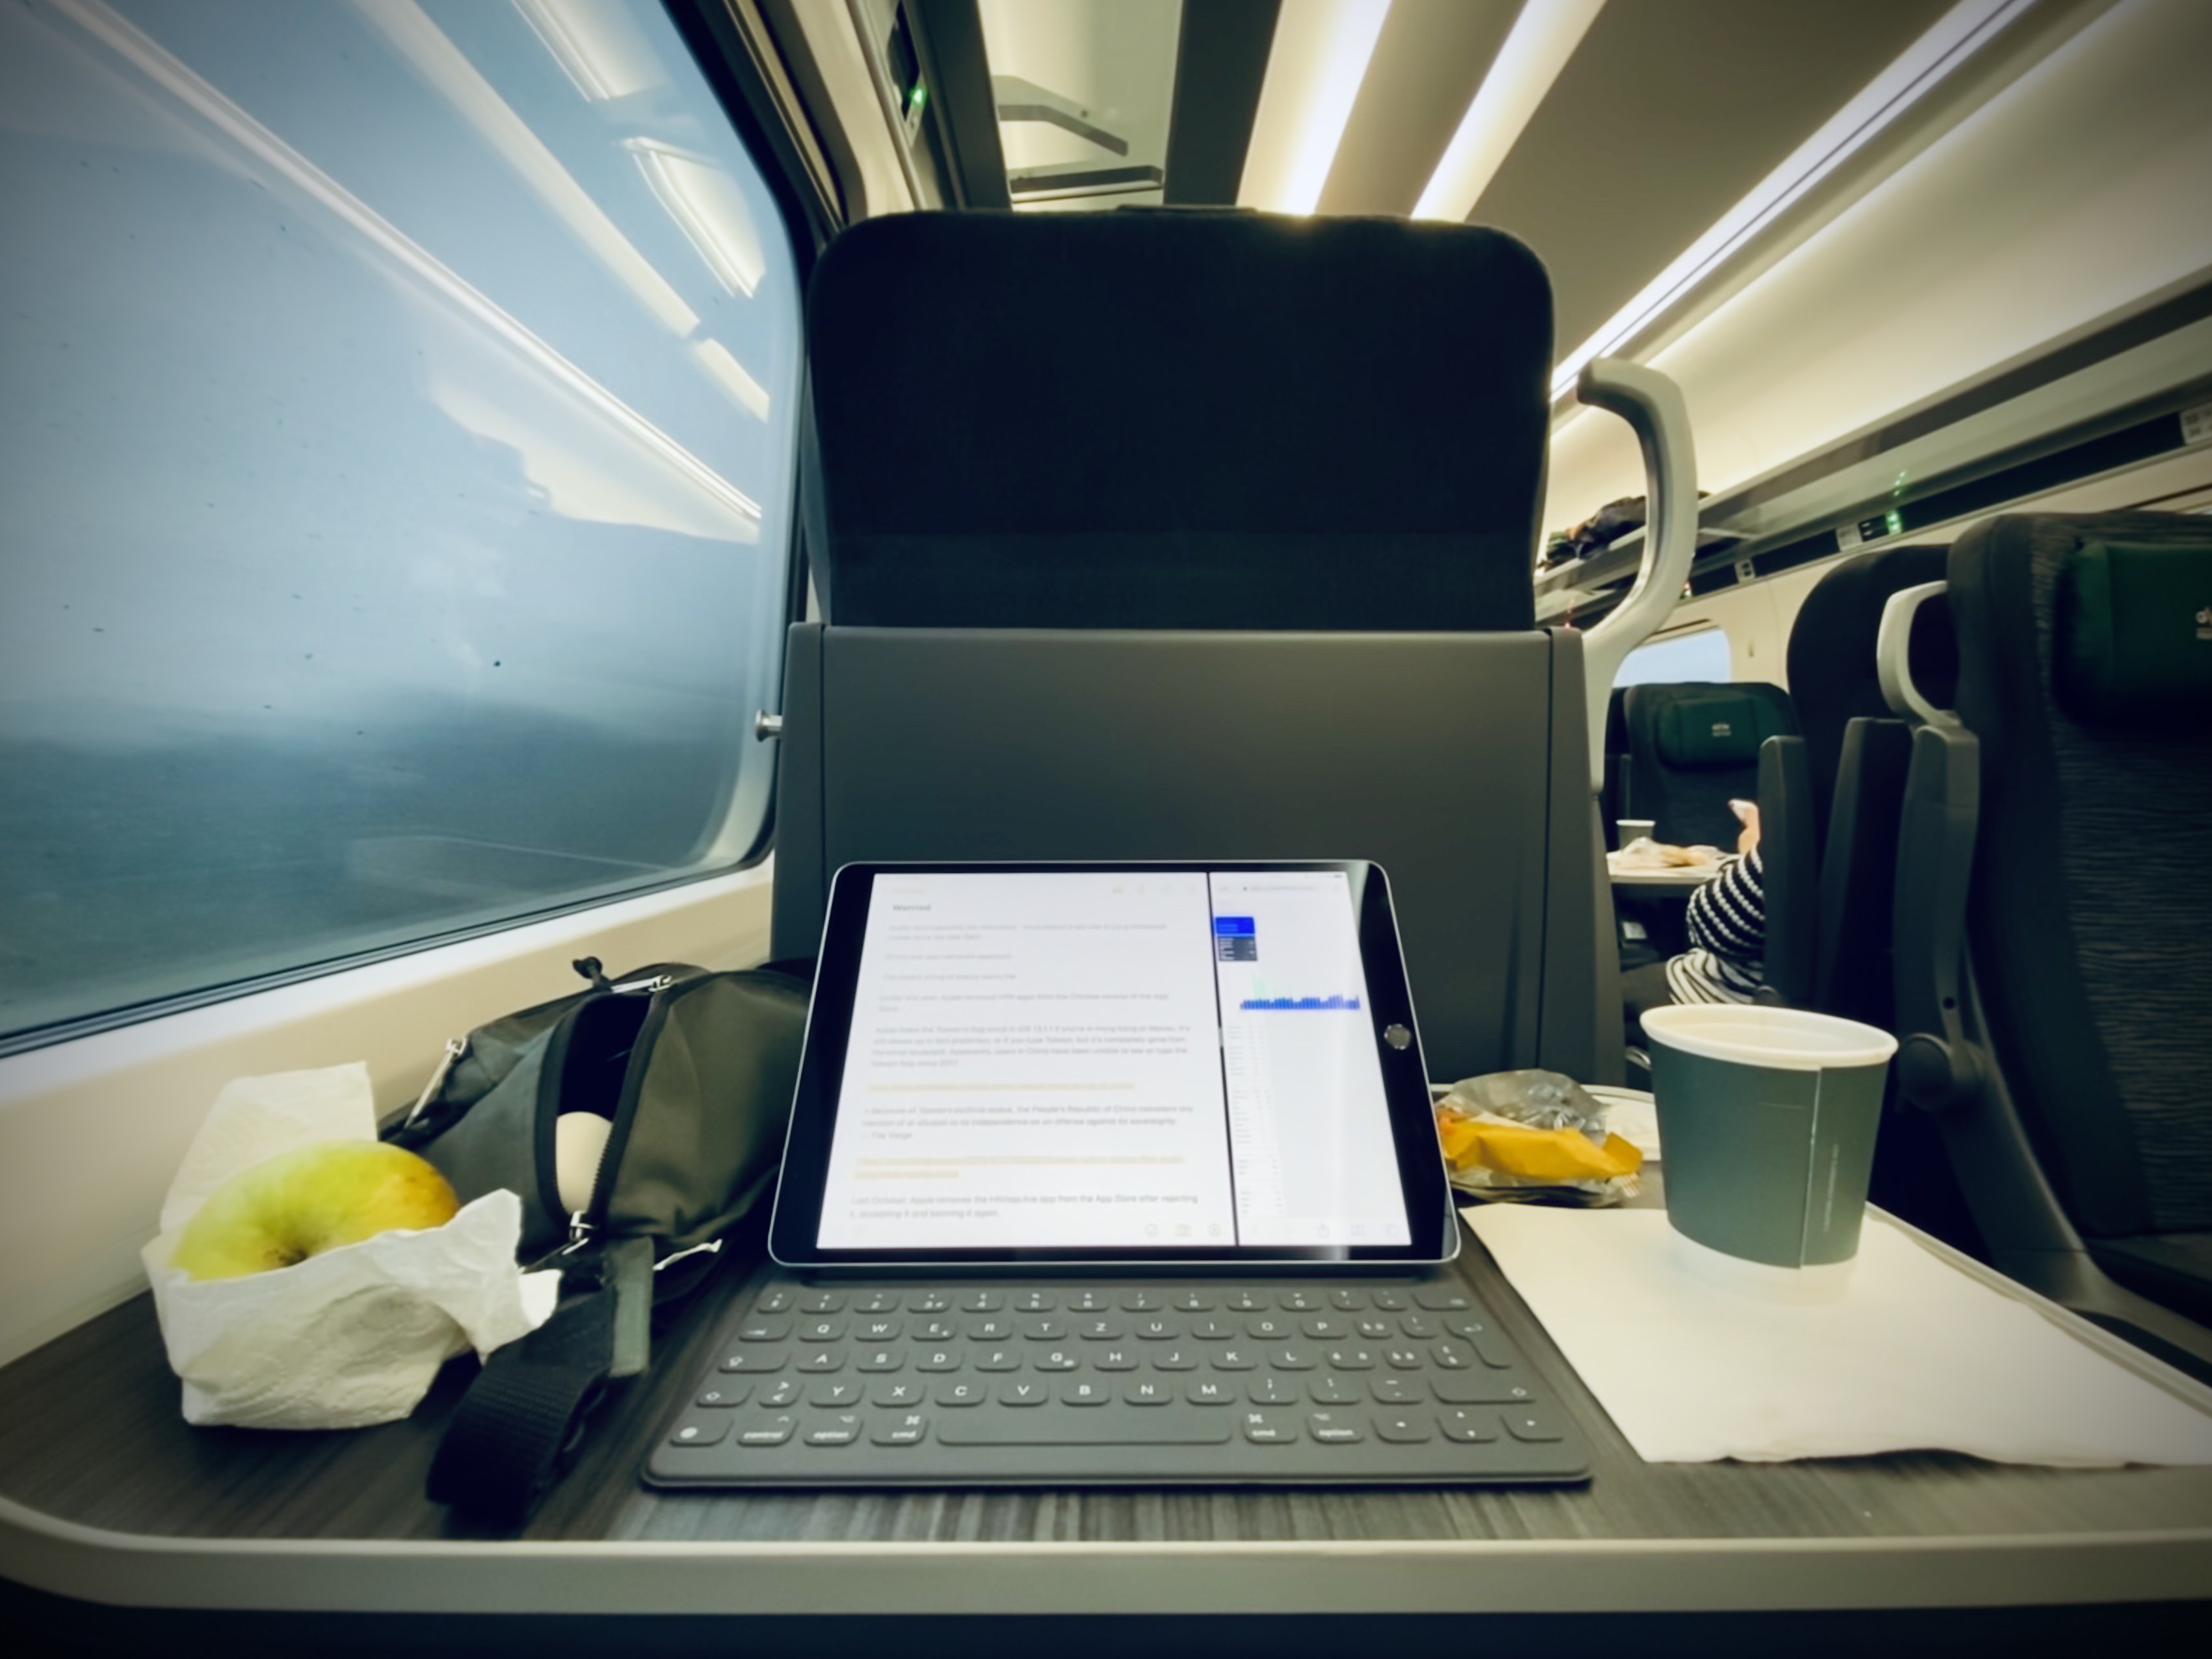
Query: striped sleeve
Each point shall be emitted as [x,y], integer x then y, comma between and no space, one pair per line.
[1727,914]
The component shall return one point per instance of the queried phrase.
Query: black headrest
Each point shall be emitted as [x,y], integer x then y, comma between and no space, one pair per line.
[1178,419]
[1833,680]
[2133,633]
[1712,728]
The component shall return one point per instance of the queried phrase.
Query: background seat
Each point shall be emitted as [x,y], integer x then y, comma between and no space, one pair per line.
[1690,749]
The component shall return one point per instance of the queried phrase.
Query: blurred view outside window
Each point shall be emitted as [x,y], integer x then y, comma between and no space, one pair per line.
[1702,655]
[395,487]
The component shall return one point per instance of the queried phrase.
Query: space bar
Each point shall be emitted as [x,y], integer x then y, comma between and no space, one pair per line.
[1047,1426]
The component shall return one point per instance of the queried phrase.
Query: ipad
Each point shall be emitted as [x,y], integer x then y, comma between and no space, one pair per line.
[1120,1064]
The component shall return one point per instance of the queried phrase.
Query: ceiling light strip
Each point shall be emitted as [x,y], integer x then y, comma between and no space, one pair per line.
[1543,37]
[1315,67]
[1956,36]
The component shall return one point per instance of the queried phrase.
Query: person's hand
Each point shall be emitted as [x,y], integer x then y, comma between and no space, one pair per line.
[1747,813]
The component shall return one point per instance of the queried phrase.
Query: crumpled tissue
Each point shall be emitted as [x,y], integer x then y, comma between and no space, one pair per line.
[350,1337]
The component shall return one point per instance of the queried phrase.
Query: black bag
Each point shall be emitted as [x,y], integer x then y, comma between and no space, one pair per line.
[693,1072]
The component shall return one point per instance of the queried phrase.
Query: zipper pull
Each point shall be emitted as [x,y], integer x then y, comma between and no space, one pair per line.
[658,982]
[580,1234]
[712,1246]
[455,1047]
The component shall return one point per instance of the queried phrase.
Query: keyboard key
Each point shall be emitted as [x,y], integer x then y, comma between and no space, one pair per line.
[1400,1391]
[1442,1298]
[999,1359]
[938,1359]
[1406,1428]
[1392,1301]
[834,1393]
[822,1330]
[1191,1302]
[990,1330]
[1335,1428]
[1159,1330]
[879,1359]
[819,1360]
[750,1360]
[1086,1393]
[935,1330]
[1352,1359]
[1174,1359]
[1481,1388]
[1292,1357]
[1148,1394]
[1327,1390]
[1239,1359]
[766,1432]
[1270,1428]
[1246,1302]
[1419,1326]
[1374,1329]
[841,1430]
[823,1302]
[1089,1302]
[1208,1393]
[1045,1330]
[1468,1425]
[1326,1327]
[1454,1357]
[1099,1330]
[1059,1425]
[1489,1347]
[705,1430]
[774,1302]
[784,1391]
[1346,1300]
[764,1330]
[1403,1360]
[1268,1327]
[1034,1301]
[982,1301]
[1056,1359]
[907,1428]
[965,1392]
[1271,1391]
[1299,1301]
[896,1393]
[1022,1393]
[929,1302]
[877,1301]
[876,1330]
[724,1394]
[1533,1427]
[1142,1302]
[1114,1360]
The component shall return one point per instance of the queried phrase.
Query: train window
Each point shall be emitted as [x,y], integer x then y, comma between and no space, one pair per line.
[396,482]
[1700,654]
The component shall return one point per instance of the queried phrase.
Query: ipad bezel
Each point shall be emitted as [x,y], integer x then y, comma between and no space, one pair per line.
[794,1225]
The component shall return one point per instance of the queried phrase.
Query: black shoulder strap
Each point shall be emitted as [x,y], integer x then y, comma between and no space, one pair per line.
[518,1427]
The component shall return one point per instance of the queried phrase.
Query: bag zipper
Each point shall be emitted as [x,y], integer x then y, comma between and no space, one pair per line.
[455,1047]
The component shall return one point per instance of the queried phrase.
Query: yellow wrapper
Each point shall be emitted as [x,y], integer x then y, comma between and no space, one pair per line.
[1514,1149]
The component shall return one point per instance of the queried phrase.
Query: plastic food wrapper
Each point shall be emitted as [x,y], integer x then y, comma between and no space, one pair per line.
[1645,853]
[350,1337]
[1534,1135]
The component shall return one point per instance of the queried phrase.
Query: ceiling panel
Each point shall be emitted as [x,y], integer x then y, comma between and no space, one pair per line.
[1668,114]
[1431,56]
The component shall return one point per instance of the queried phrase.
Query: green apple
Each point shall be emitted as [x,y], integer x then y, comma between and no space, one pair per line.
[310,1200]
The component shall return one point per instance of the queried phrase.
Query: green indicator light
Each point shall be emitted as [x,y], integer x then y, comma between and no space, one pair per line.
[917,98]
[1896,522]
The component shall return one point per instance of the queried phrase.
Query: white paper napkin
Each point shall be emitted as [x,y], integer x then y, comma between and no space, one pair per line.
[1912,1355]
[350,1337]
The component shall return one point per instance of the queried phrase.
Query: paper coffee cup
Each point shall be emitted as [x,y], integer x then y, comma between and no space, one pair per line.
[1631,828]
[1767,1116]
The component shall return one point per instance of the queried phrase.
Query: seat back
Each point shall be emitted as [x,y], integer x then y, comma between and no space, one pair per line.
[2085,671]
[1167,535]
[1177,419]
[1692,748]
